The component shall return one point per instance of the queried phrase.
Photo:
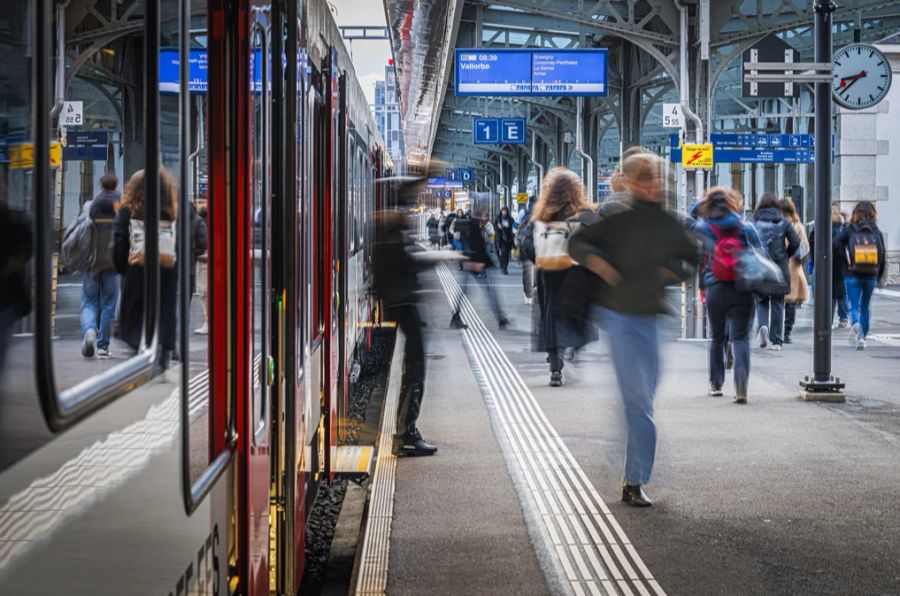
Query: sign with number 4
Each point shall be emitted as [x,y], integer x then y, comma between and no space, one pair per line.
[72,113]
[672,117]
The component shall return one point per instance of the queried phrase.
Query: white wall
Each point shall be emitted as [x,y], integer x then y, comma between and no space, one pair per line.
[887,164]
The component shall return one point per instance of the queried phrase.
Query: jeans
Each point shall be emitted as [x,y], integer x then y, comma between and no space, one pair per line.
[730,316]
[635,354]
[412,382]
[99,294]
[770,312]
[860,289]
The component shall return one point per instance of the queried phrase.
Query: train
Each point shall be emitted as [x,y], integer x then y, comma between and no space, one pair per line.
[185,469]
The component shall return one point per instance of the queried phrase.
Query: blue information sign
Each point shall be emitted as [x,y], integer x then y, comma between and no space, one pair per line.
[486,131]
[169,71]
[512,130]
[778,155]
[531,72]
[493,72]
[568,72]
[86,145]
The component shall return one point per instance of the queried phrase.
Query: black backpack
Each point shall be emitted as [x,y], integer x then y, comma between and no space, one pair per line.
[862,250]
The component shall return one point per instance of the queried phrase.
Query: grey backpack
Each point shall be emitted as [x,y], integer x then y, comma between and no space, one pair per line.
[76,253]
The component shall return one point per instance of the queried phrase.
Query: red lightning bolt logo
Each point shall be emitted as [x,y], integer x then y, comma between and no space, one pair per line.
[694,157]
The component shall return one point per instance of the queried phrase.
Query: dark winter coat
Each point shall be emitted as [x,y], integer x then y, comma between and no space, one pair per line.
[198,242]
[503,231]
[727,224]
[394,269]
[838,262]
[103,214]
[780,239]
[639,238]
[131,308]
[15,252]
[842,244]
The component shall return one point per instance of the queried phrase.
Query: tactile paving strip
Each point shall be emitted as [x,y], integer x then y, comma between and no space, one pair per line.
[590,546]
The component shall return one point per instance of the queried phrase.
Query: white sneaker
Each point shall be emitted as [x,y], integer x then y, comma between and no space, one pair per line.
[855,334]
[775,347]
[203,330]
[763,336]
[861,343]
[89,343]
[104,354]
[529,300]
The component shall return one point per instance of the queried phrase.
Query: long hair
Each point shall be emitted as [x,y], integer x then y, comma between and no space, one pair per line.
[768,200]
[789,210]
[864,211]
[562,196]
[719,202]
[133,195]
[836,216]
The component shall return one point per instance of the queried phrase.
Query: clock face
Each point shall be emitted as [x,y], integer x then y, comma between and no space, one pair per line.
[862,76]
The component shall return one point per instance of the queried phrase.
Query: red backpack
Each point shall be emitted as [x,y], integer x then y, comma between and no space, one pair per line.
[726,252]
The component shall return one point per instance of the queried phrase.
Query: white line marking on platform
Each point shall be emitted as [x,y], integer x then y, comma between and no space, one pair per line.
[888,293]
[376,543]
[556,484]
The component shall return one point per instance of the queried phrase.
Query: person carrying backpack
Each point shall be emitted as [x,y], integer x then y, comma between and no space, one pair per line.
[504,238]
[799,286]
[99,280]
[862,245]
[559,212]
[724,234]
[781,241]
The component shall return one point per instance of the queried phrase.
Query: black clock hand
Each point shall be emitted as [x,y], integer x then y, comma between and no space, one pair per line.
[858,77]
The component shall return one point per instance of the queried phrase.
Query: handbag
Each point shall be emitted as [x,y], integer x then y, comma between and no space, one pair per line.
[756,272]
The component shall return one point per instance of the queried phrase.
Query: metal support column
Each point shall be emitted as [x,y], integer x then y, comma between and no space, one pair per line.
[823,386]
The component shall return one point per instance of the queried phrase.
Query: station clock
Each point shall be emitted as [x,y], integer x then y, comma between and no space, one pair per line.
[862,76]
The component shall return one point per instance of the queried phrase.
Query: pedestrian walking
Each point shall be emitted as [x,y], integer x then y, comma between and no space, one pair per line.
[799,286]
[636,248]
[781,241]
[862,245]
[724,234]
[201,257]
[528,272]
[128,257]
[504,238]
[99,281]
[479,261]
[839,302]
[396,283]
[558,214]
[432,226]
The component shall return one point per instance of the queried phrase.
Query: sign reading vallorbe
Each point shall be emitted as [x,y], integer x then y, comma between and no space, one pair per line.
[531,72]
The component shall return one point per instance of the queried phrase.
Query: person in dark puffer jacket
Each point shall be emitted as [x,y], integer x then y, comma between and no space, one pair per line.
[781,241]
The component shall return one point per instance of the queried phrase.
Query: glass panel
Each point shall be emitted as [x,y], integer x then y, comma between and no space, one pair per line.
[259,133]
[97,288]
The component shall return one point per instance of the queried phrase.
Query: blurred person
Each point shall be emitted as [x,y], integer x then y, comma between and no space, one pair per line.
[862,245]
[799,286]
[432,225]
[839,302]
[200,277]
[560,211]
[459,230]
[635,249]
[781,241]
[724,233]
[396,283]
[100,281]
[528,272]
[448,225]
[16,246]
[488,232]
[504,238]
[477,263]
[128,256]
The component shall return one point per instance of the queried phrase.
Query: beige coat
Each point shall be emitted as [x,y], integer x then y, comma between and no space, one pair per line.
[799,287]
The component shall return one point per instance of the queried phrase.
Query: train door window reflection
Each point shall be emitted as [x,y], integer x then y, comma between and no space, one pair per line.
[259,187]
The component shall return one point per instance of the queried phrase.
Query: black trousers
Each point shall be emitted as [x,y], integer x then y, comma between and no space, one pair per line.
[503,251]
[412,382]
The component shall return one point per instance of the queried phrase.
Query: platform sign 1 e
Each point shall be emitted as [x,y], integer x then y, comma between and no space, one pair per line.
[486,131]
[512,130]
[697,156]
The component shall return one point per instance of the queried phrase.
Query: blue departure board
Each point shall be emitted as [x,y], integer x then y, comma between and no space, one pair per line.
[488,72]
[493,72]
[169,71]
[568,72]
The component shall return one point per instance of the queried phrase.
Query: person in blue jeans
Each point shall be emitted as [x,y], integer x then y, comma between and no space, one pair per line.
[635,249]
[730,310]
[100,282]
[862,245]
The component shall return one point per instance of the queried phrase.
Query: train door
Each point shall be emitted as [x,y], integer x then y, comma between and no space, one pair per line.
[341,263]
[332,263]
[256,438]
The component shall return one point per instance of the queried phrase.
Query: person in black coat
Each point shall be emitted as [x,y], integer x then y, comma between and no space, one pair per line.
[475,249]
[128,257]
[839,302]
[15,254]
[781,241]
[504,238]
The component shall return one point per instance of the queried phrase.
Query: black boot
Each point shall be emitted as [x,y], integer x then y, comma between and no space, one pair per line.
[502,323]
[456,322]
[556,379]
[412,444]
[634,495]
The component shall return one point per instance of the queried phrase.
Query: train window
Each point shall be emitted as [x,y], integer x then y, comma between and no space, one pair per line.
[260,126]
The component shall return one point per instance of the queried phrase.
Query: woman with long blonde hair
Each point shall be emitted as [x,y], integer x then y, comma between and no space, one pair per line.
[559,212]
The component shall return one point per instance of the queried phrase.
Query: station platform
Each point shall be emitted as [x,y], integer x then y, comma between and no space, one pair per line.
[779,496]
